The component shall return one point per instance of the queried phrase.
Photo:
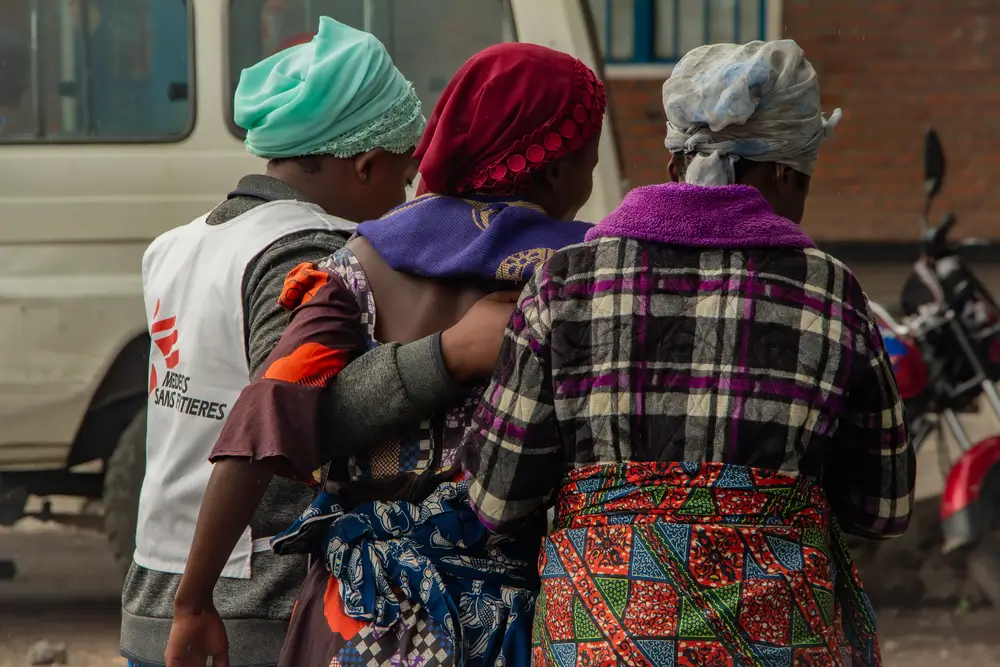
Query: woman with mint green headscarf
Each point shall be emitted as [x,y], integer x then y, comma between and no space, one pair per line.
[337,124]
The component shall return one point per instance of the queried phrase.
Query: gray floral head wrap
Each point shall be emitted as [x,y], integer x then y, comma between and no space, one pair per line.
[758,101]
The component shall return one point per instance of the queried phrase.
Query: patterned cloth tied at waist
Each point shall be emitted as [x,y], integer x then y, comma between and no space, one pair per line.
[388,555]
[698,563]
[689,492]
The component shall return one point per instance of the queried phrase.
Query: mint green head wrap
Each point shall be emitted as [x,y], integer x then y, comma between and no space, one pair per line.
[337,95]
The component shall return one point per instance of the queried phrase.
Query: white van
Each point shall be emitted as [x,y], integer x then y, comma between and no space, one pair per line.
[115,127]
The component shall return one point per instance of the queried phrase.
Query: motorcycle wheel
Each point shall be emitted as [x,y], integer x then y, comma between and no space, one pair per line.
[984,568]
[983,562]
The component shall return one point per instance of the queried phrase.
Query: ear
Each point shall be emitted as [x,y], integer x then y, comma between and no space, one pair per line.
[672,171]
[786,179]
[553,173]
[363,165]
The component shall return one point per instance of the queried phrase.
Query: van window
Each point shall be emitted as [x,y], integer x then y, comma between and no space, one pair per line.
[95,71]
[428,40]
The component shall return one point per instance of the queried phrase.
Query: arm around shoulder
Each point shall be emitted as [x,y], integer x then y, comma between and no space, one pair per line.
[387,389]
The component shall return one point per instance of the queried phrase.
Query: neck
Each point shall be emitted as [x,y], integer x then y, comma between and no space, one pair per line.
[544,200]
[314,190]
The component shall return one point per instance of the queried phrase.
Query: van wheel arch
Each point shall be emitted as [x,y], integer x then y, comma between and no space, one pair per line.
[114,431]
[119,397]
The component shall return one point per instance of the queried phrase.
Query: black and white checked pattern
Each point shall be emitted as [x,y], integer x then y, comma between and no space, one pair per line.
[416,641]
[425,447]
[428,650]
[372,652]
[621,350]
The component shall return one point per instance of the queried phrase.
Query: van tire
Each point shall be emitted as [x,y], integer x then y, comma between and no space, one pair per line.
[123,475]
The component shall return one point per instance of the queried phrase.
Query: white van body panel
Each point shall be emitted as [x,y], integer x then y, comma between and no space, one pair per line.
[75,221]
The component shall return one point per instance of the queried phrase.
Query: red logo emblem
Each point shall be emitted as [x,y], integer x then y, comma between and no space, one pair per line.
[164,335]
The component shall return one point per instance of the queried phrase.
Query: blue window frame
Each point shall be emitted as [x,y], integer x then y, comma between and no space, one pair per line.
[662,31]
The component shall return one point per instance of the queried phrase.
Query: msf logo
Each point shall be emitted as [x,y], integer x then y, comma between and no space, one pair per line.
[164,334]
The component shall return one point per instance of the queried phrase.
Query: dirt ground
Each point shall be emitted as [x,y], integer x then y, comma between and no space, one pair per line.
[67,591]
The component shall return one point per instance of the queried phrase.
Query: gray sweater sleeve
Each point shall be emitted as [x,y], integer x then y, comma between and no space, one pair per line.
[384,390]
[389,388]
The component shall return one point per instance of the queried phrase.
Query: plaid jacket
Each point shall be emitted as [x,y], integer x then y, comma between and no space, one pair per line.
[627,351]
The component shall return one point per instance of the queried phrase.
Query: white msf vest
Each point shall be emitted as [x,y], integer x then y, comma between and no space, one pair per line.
[193,289]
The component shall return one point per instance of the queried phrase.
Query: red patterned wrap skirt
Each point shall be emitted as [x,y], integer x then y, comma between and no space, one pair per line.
[698,565]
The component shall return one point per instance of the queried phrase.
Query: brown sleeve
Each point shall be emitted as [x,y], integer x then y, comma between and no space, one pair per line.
[278,415]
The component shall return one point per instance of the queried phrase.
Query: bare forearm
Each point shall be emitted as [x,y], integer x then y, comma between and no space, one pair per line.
[234,492]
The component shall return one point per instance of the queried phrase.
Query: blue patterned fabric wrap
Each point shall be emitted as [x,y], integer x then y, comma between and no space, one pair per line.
[489,239]
[478,588]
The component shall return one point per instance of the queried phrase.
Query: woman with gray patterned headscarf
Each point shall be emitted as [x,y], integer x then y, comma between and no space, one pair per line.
[747,114]
[705,400]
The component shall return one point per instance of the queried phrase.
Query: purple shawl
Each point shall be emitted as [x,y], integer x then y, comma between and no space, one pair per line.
[450,237]
[734,216]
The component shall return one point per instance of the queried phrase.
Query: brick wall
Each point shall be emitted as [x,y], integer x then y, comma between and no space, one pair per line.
[641,128]
[895,67]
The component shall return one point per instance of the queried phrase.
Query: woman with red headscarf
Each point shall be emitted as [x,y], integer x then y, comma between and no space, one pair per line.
[403,571]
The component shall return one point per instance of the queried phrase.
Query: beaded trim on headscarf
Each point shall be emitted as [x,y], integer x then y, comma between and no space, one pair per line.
[564,134]
[398,130]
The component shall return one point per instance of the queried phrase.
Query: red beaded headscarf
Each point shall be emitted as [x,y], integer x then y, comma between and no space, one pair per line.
[510,110]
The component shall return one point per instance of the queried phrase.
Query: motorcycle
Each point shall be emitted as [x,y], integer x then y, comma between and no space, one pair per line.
[945,351]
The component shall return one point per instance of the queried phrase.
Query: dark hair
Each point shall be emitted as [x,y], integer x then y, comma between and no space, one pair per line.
[310,164]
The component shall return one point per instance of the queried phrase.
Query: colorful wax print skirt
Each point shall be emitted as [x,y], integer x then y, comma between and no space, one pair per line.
[698,565]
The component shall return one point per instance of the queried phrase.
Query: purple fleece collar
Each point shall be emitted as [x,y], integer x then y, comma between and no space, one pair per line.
[734,216]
